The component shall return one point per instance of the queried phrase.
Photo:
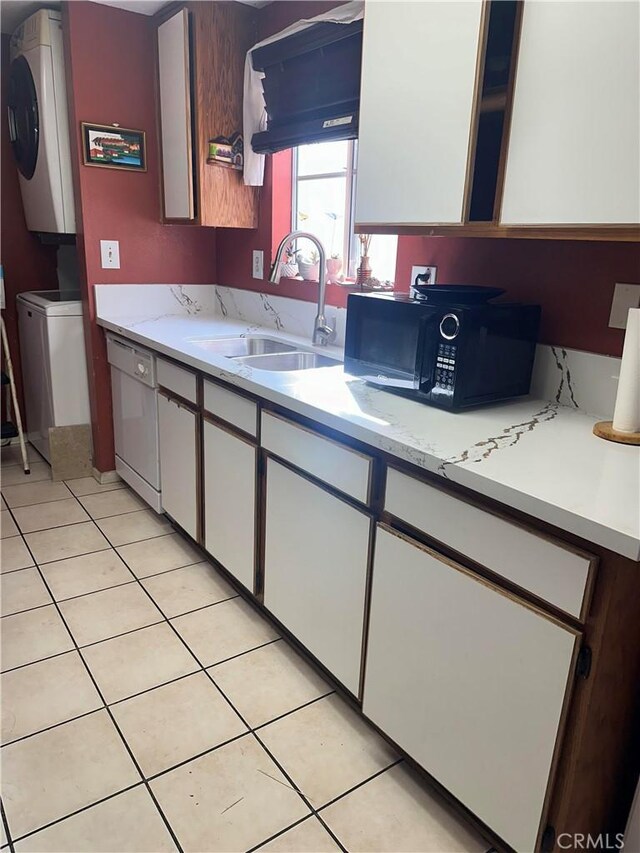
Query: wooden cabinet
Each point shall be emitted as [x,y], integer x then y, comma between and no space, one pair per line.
[315,569]
[230,466]
[220,34]
[574,150]
[416,104]
[178,441]
[470,681]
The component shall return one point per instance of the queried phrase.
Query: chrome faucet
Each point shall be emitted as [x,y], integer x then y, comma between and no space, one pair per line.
[322,331]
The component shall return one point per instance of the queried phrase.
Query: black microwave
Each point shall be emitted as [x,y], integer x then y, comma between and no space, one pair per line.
[445,354]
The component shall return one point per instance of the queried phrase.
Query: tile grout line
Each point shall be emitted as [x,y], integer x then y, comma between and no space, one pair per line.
[226,698]
[149,690]
[112,718]
[5,823]
[202,668]
[250,730]
[106,589]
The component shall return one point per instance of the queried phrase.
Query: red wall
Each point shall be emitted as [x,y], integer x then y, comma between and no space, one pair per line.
[111,78]
[28,265]
[573,280]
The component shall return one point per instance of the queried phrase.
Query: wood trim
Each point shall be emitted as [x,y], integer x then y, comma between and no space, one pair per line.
[590,558]
[326,487]
[200,521]
[181,401]
[225,426]
[454,564]
[524,595]
[599,765]
[246,395]
[483,35]
[366,616]
[623,233]
[367,457]
[506,129]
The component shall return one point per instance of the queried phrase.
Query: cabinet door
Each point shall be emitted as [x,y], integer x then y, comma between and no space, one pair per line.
[177,426]
[315,571]
[230,501]
[470,682]
[574,148]
[416,102]
[174,89]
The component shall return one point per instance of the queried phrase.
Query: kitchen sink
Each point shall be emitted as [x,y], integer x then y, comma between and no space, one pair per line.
[249,346]
[288,361]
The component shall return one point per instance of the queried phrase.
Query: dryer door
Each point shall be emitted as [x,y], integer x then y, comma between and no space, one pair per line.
[24,120]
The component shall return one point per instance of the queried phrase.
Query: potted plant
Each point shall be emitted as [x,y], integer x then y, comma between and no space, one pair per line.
[289,267]
[364,270]
[334,265]
[309,266]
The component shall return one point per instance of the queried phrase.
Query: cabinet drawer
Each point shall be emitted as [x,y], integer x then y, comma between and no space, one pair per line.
[231,407]
[551,570]
[177,379]
[338,466]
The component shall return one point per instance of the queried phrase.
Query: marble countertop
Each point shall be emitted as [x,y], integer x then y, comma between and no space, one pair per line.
[532,454]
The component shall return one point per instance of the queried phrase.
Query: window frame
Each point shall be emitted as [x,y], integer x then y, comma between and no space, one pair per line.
[349,239]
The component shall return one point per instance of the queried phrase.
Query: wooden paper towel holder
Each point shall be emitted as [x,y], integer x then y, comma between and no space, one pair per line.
[604,429]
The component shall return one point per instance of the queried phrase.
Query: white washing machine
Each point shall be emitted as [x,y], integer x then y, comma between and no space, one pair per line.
[38,123]
[54,363]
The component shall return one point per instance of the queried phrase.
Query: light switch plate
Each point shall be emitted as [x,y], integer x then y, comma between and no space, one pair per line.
[110,254]
[258,264]
[625,296]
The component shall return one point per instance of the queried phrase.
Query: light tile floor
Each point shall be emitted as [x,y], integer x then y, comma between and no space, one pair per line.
[147,707]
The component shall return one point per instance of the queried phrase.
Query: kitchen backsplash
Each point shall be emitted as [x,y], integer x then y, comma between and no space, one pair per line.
[581,380]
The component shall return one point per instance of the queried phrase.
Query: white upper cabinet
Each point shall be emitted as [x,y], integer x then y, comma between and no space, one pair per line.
[574,148]
[416,103]
[175,116]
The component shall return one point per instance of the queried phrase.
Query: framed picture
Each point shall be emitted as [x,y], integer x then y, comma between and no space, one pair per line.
[114,147]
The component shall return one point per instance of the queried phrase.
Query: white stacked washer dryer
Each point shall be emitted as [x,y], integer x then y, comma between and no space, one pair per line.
[38,123]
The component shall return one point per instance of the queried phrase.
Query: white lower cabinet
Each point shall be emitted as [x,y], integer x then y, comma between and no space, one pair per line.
[177,430]
[469,681]
[315,571]
[230,501]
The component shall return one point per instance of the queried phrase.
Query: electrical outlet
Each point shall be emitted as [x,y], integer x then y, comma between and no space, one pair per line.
[415,270]
[110,254]
[258,264]
[625,296]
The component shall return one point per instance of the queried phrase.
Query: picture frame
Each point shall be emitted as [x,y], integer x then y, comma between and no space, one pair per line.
[109,146]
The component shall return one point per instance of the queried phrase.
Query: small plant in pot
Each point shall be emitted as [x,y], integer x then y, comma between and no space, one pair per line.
[309,266]
[289,267]
[334,265]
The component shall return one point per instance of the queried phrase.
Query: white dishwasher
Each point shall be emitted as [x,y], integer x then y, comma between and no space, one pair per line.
[134,390]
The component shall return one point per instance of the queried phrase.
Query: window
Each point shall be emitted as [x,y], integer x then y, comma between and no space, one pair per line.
[323,183]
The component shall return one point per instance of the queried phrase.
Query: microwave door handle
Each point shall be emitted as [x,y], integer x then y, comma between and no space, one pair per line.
[427,343]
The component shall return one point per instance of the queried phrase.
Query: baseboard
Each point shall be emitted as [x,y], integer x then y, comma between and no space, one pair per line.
[104,477]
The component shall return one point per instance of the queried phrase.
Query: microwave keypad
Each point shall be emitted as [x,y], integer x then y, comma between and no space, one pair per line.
[445,367]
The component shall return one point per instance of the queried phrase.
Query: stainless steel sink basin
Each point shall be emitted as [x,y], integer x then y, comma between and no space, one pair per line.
[288,361]
[249,346]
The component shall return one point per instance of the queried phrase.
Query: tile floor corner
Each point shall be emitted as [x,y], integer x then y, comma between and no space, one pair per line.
[148,707]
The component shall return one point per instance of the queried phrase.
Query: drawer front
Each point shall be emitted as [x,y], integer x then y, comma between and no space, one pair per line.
[231,407]
[176,379]
[551,570]
[338,466]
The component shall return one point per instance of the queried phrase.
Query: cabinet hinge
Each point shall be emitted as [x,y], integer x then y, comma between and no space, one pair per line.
[548,840]
[583,664]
